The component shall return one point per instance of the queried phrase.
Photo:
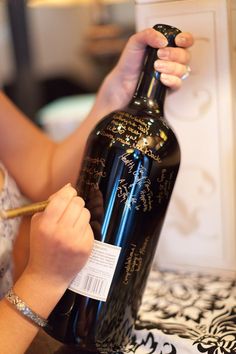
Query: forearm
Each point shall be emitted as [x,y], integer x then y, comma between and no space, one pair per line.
[14,327]
[61,241]
[68,155]
[24,149]
[41,166]
[21,248]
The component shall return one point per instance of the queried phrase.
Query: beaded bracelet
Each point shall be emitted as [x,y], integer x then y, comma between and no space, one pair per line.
[24,309]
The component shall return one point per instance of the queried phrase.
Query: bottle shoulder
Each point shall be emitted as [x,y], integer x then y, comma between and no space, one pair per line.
[151,135]
[137,123]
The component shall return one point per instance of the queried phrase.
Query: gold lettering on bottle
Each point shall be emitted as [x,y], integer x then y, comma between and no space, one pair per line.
[134,132]
[142,201]
[165,184]
[94,168]
[95,161]
[128,264]
[104,133]
[134,260]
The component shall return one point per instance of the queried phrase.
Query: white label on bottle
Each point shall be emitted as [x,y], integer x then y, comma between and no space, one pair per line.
[94,279]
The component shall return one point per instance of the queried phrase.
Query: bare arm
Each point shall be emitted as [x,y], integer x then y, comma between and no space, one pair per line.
[14,328]
[25,150]
[63,230]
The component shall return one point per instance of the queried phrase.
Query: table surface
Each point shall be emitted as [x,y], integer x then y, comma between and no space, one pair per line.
[181,313]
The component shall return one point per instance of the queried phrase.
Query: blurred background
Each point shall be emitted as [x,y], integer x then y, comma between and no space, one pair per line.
[60,48]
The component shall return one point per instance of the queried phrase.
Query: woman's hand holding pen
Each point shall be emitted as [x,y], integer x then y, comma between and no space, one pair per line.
[61,238]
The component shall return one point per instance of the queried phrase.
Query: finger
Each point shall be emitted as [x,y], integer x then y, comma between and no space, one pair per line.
[54,194]
[59,202]
[132,56]
[72,212]
[84,243]
[36,218]
[178,55]
[155,39]
[171,81]
[184,40]
[146,37]
[169,67]
[82,221]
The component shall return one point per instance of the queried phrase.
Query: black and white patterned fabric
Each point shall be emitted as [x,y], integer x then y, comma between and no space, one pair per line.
[186,313]
[181,313]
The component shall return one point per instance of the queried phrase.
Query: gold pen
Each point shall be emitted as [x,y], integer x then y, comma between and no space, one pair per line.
[28,209]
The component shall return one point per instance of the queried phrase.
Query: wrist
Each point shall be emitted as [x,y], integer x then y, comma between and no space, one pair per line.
[24,309]
[39,294]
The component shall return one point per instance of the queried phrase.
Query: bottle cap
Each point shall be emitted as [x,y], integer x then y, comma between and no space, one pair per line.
[169,32]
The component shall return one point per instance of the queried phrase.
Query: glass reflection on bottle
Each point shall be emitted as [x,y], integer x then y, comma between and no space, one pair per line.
[130,166]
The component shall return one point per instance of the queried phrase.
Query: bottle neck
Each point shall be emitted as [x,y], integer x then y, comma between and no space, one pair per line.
[150,92]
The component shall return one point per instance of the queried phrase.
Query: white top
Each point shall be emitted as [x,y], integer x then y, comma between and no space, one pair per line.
[10,197]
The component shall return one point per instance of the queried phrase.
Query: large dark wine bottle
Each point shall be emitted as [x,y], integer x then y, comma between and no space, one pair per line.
[128,174]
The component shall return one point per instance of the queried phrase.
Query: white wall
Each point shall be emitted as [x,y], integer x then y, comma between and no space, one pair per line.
[199,231]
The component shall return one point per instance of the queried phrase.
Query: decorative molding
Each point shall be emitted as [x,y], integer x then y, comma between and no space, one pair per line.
[201,215]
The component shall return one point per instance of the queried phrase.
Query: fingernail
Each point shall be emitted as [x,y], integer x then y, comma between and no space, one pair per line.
[68,185]
[165,78]
[162,42]
[181,40]
[163,53]
[159,65]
